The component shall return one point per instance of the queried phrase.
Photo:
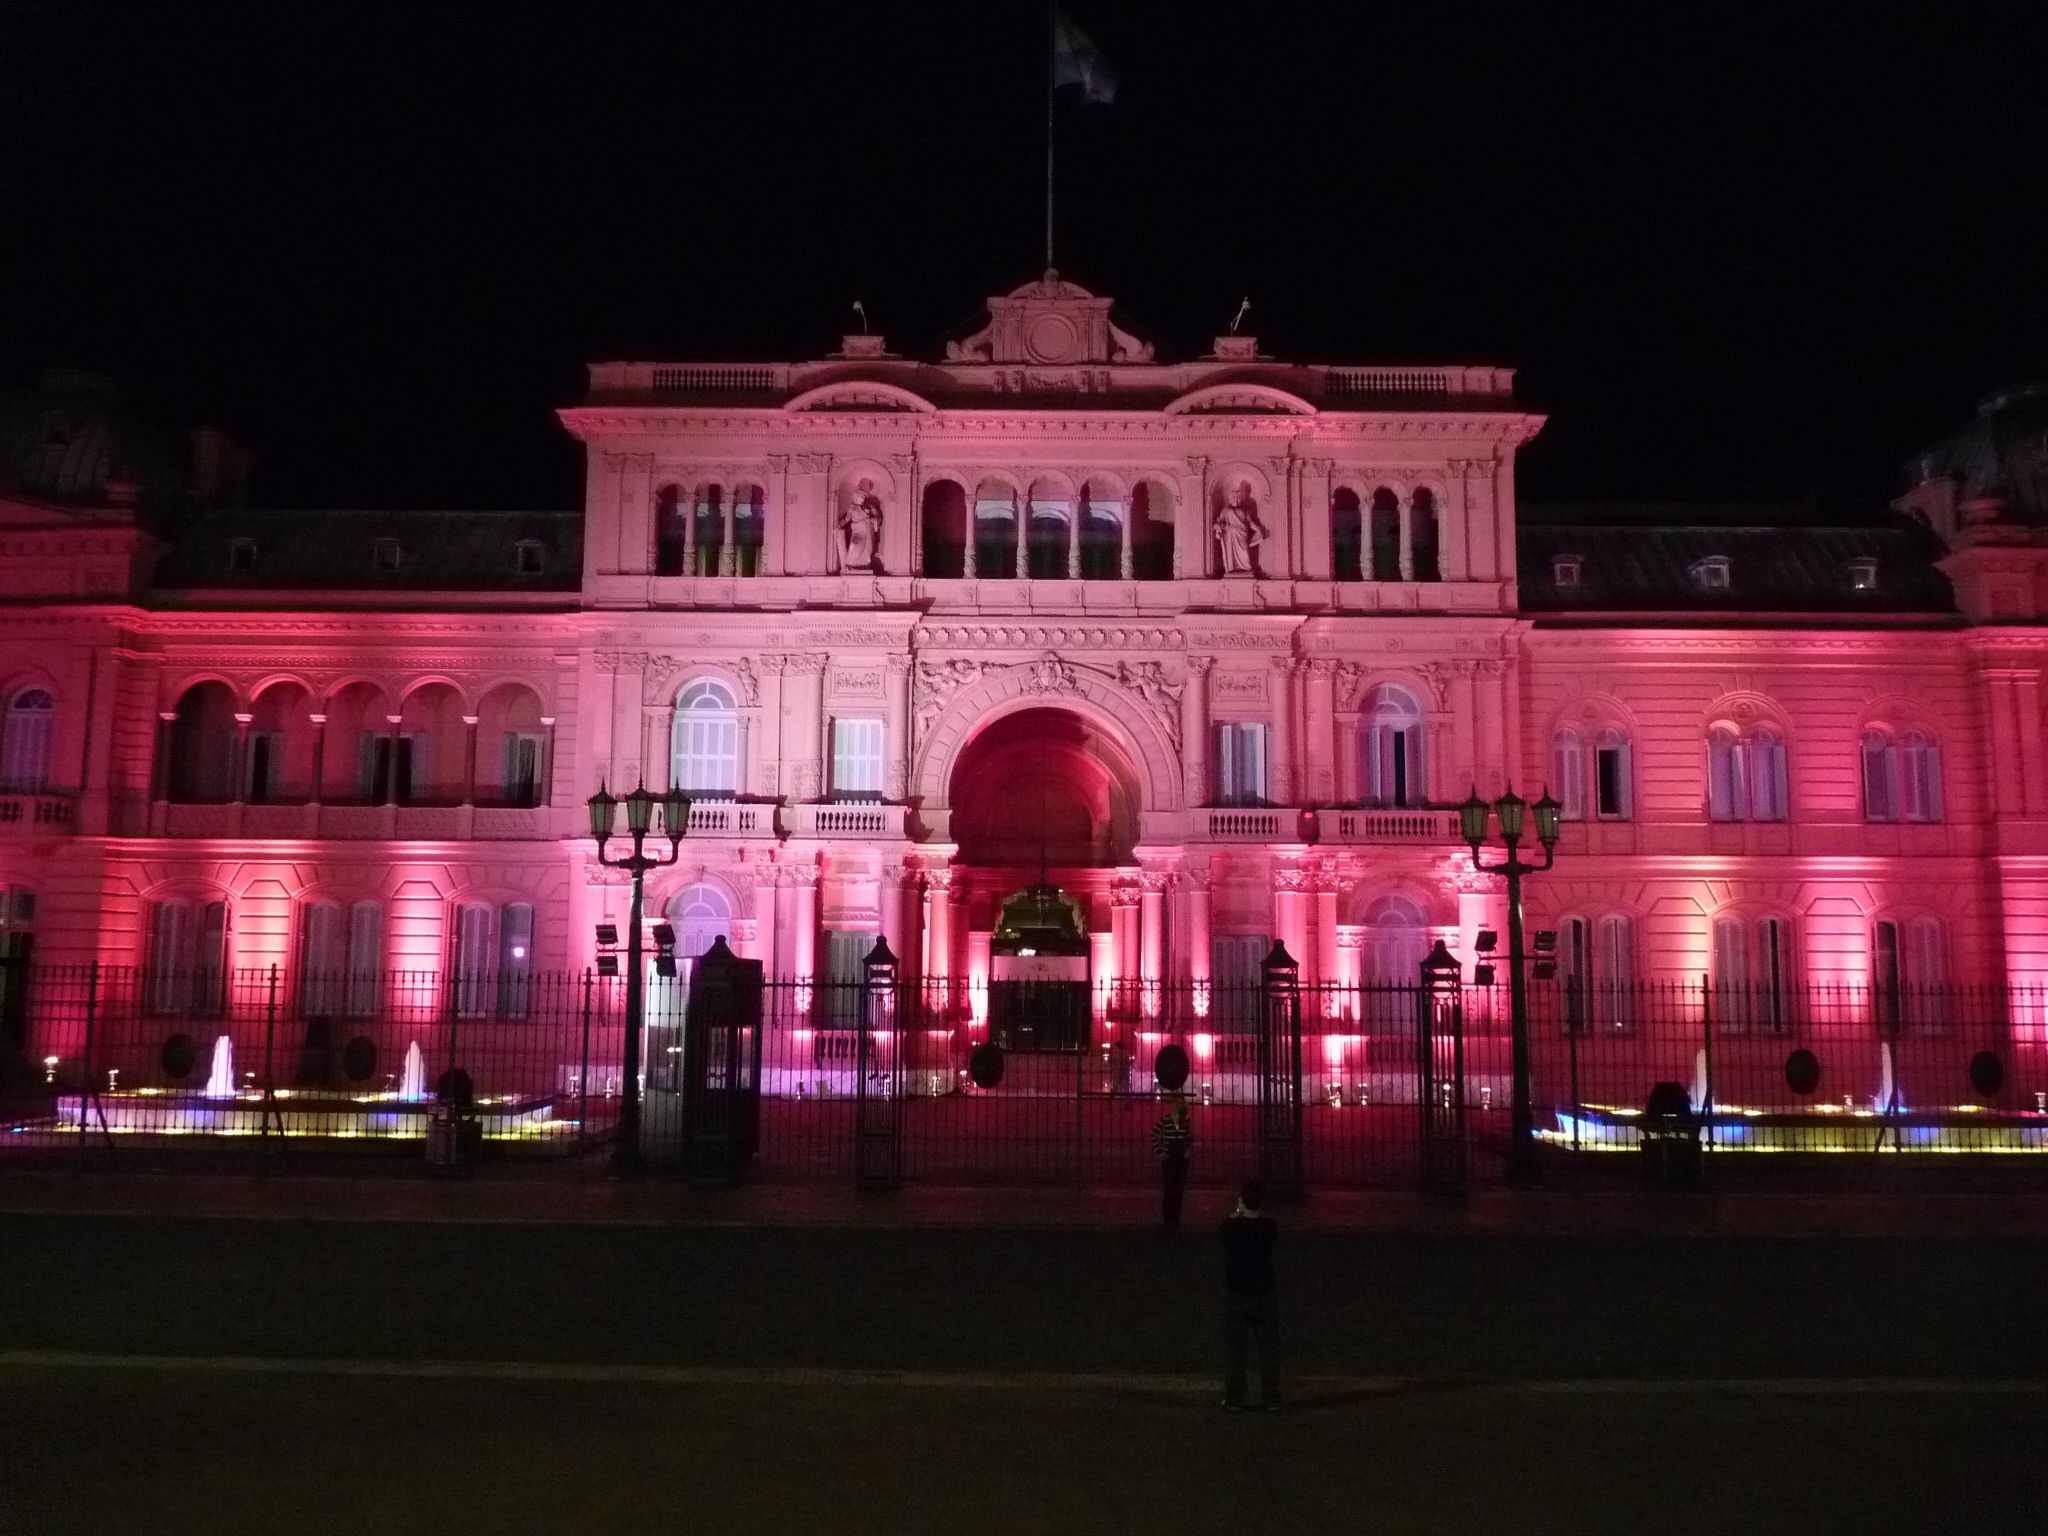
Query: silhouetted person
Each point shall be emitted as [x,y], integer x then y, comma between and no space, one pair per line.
[1251,1299]
[1171,1136]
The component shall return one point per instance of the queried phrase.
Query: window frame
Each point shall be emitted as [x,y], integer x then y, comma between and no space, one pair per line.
[720,724]
[860,752]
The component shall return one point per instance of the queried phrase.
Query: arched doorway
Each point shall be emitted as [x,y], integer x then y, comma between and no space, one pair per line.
[1044,786]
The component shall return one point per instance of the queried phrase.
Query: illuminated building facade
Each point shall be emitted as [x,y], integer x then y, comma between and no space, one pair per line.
[1217,643]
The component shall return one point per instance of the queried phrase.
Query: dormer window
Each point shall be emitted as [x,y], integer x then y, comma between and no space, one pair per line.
[1862,574]
[1710,574]
[386,557]
[1565,571]
[241,556]
[530,557]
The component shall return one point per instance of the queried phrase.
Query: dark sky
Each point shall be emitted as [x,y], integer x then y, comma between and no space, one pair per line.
[1735,253]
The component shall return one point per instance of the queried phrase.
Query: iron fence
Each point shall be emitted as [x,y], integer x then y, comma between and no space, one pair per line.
[1324,1084]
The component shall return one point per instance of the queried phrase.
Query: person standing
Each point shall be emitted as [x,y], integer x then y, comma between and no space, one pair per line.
[1251,1298]
[1171,1138]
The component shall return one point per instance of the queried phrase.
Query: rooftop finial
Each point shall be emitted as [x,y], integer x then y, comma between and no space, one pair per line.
[1238,319]
[861,310]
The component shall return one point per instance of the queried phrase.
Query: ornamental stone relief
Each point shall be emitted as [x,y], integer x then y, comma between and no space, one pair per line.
[936,682]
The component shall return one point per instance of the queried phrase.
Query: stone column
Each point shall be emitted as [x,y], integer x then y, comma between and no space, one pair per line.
[967,555]
[727,560]
[1074,538]
[764,888]
[319,786]
[938,933]
[238,783]
[889,893]
[1191,521]
[686,493]
[1316,556]
[1197,886]
[1283,788]
[1125,936]
[655,764]
[1326,927]
[391,795]
[1194,728]
[1292,905]
[1493,746]
[803,922]
[1024,530]
[469,725]
[2027,702]
[774,540]
[1152,937]
[1320,781]
[1406,506]
[1126,562]
[897,703]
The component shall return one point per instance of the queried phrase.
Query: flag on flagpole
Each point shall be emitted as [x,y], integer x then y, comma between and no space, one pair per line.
[1077,61]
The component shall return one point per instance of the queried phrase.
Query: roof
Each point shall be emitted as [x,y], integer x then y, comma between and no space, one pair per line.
[436,551]
[1780,560]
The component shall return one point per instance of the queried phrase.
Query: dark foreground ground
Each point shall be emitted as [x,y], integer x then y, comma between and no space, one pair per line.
[177,1372]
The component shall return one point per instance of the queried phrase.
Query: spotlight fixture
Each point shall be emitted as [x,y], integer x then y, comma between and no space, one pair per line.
[1486,941]
[607,934]
[664,936]
[665,964]
[607,965]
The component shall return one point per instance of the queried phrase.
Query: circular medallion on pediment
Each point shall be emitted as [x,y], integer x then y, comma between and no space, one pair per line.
[1052,339]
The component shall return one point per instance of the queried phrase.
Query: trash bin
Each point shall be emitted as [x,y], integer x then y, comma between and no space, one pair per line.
[455,1135]
[1671,1138]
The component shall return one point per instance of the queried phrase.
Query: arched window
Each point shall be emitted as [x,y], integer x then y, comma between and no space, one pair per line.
[340,964]
[671,530]
[1919,777]
[25,740]
[1596,966]
[365,958]
[1612,799]
[1151,515]
[494,960]
[1396,939]
[1745,775]
[1766,775]
[707,531]
[995,531]
[749,529]
[1908,967]
[945,530]
[1754,974]
[188,953]
[1347,535]
[1568,773]
[1051,517]
[1385,533]
[699,914]
[1423,561]
[1880,797]
[704,748]
[1391,767]
[1102,536]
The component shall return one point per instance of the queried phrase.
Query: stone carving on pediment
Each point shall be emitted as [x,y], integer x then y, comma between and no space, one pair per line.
[1290,877]
[1049,674]
[936,683]
[655,679]
[1147,679]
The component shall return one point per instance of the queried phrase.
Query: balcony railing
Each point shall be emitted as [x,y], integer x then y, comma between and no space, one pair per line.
[731,818]
[38,812]
[1412,382]
[1386,826]
[848,819]
[1253,824]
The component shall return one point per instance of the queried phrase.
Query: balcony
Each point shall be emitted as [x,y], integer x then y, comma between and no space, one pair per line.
[731,818]
[1386,826]
[37,813]
[851,818]
[1251,824]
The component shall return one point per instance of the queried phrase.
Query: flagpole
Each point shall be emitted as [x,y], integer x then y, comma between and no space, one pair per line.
[1051,36]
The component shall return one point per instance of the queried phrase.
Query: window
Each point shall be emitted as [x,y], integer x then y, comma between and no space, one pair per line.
[25,749]
[1565,571]
[1384,532]
[1391,766]
[1568,773]
[1575,972]
[1615,970]
[522,768]
[1711,574]
[1745,775]
[749,529]
[530,557]
[704,756]
[846,953]
[241,556]
[1240,763]
[1423,562]
[1102,538]
[493,960]
[995,533]
[1908,964]
[1611,776]
[1901,776]
[1754,974]
[856,759]
[699,914]
[1862,575]
[373,766]
[670,536]
[1347,535]
[187,966]
[266,748]
[365,958]
[709,534]
[320,958]
[1046,529]
[1235,971]
[386,557]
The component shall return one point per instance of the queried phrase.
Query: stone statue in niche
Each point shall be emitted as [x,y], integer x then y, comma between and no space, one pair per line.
[860,529]
[1238,530]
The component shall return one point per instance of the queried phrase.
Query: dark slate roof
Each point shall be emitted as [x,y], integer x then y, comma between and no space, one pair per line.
[438,551]
[1780,560]
[2003,453]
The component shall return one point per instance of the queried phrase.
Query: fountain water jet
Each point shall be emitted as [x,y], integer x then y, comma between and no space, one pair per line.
[220,1082]
[412,1087]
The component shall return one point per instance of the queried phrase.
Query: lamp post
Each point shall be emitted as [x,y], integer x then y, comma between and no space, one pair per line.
[1473,816]
[626,1159]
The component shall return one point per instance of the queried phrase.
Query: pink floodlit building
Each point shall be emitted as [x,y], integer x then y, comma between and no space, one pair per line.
[1216,643]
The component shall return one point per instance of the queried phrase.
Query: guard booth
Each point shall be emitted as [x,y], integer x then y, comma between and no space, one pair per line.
[1440,1073]
[1280,1120]
[717,1109]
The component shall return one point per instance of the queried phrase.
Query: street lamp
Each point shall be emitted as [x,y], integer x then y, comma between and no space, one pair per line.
[1511,810]
[626,1160]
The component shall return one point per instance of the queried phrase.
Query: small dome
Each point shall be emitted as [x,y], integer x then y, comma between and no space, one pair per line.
[72,439]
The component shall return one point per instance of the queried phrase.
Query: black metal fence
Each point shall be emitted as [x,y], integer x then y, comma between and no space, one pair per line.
[1324,1085]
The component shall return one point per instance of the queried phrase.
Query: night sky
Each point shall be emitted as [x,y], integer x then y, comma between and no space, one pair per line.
[1735,254]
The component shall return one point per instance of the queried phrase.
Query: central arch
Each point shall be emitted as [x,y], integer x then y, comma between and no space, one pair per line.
[1044,783]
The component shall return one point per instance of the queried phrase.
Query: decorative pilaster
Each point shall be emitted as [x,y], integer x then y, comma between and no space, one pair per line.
[1320,781]
[1283,790]
[1194,728]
